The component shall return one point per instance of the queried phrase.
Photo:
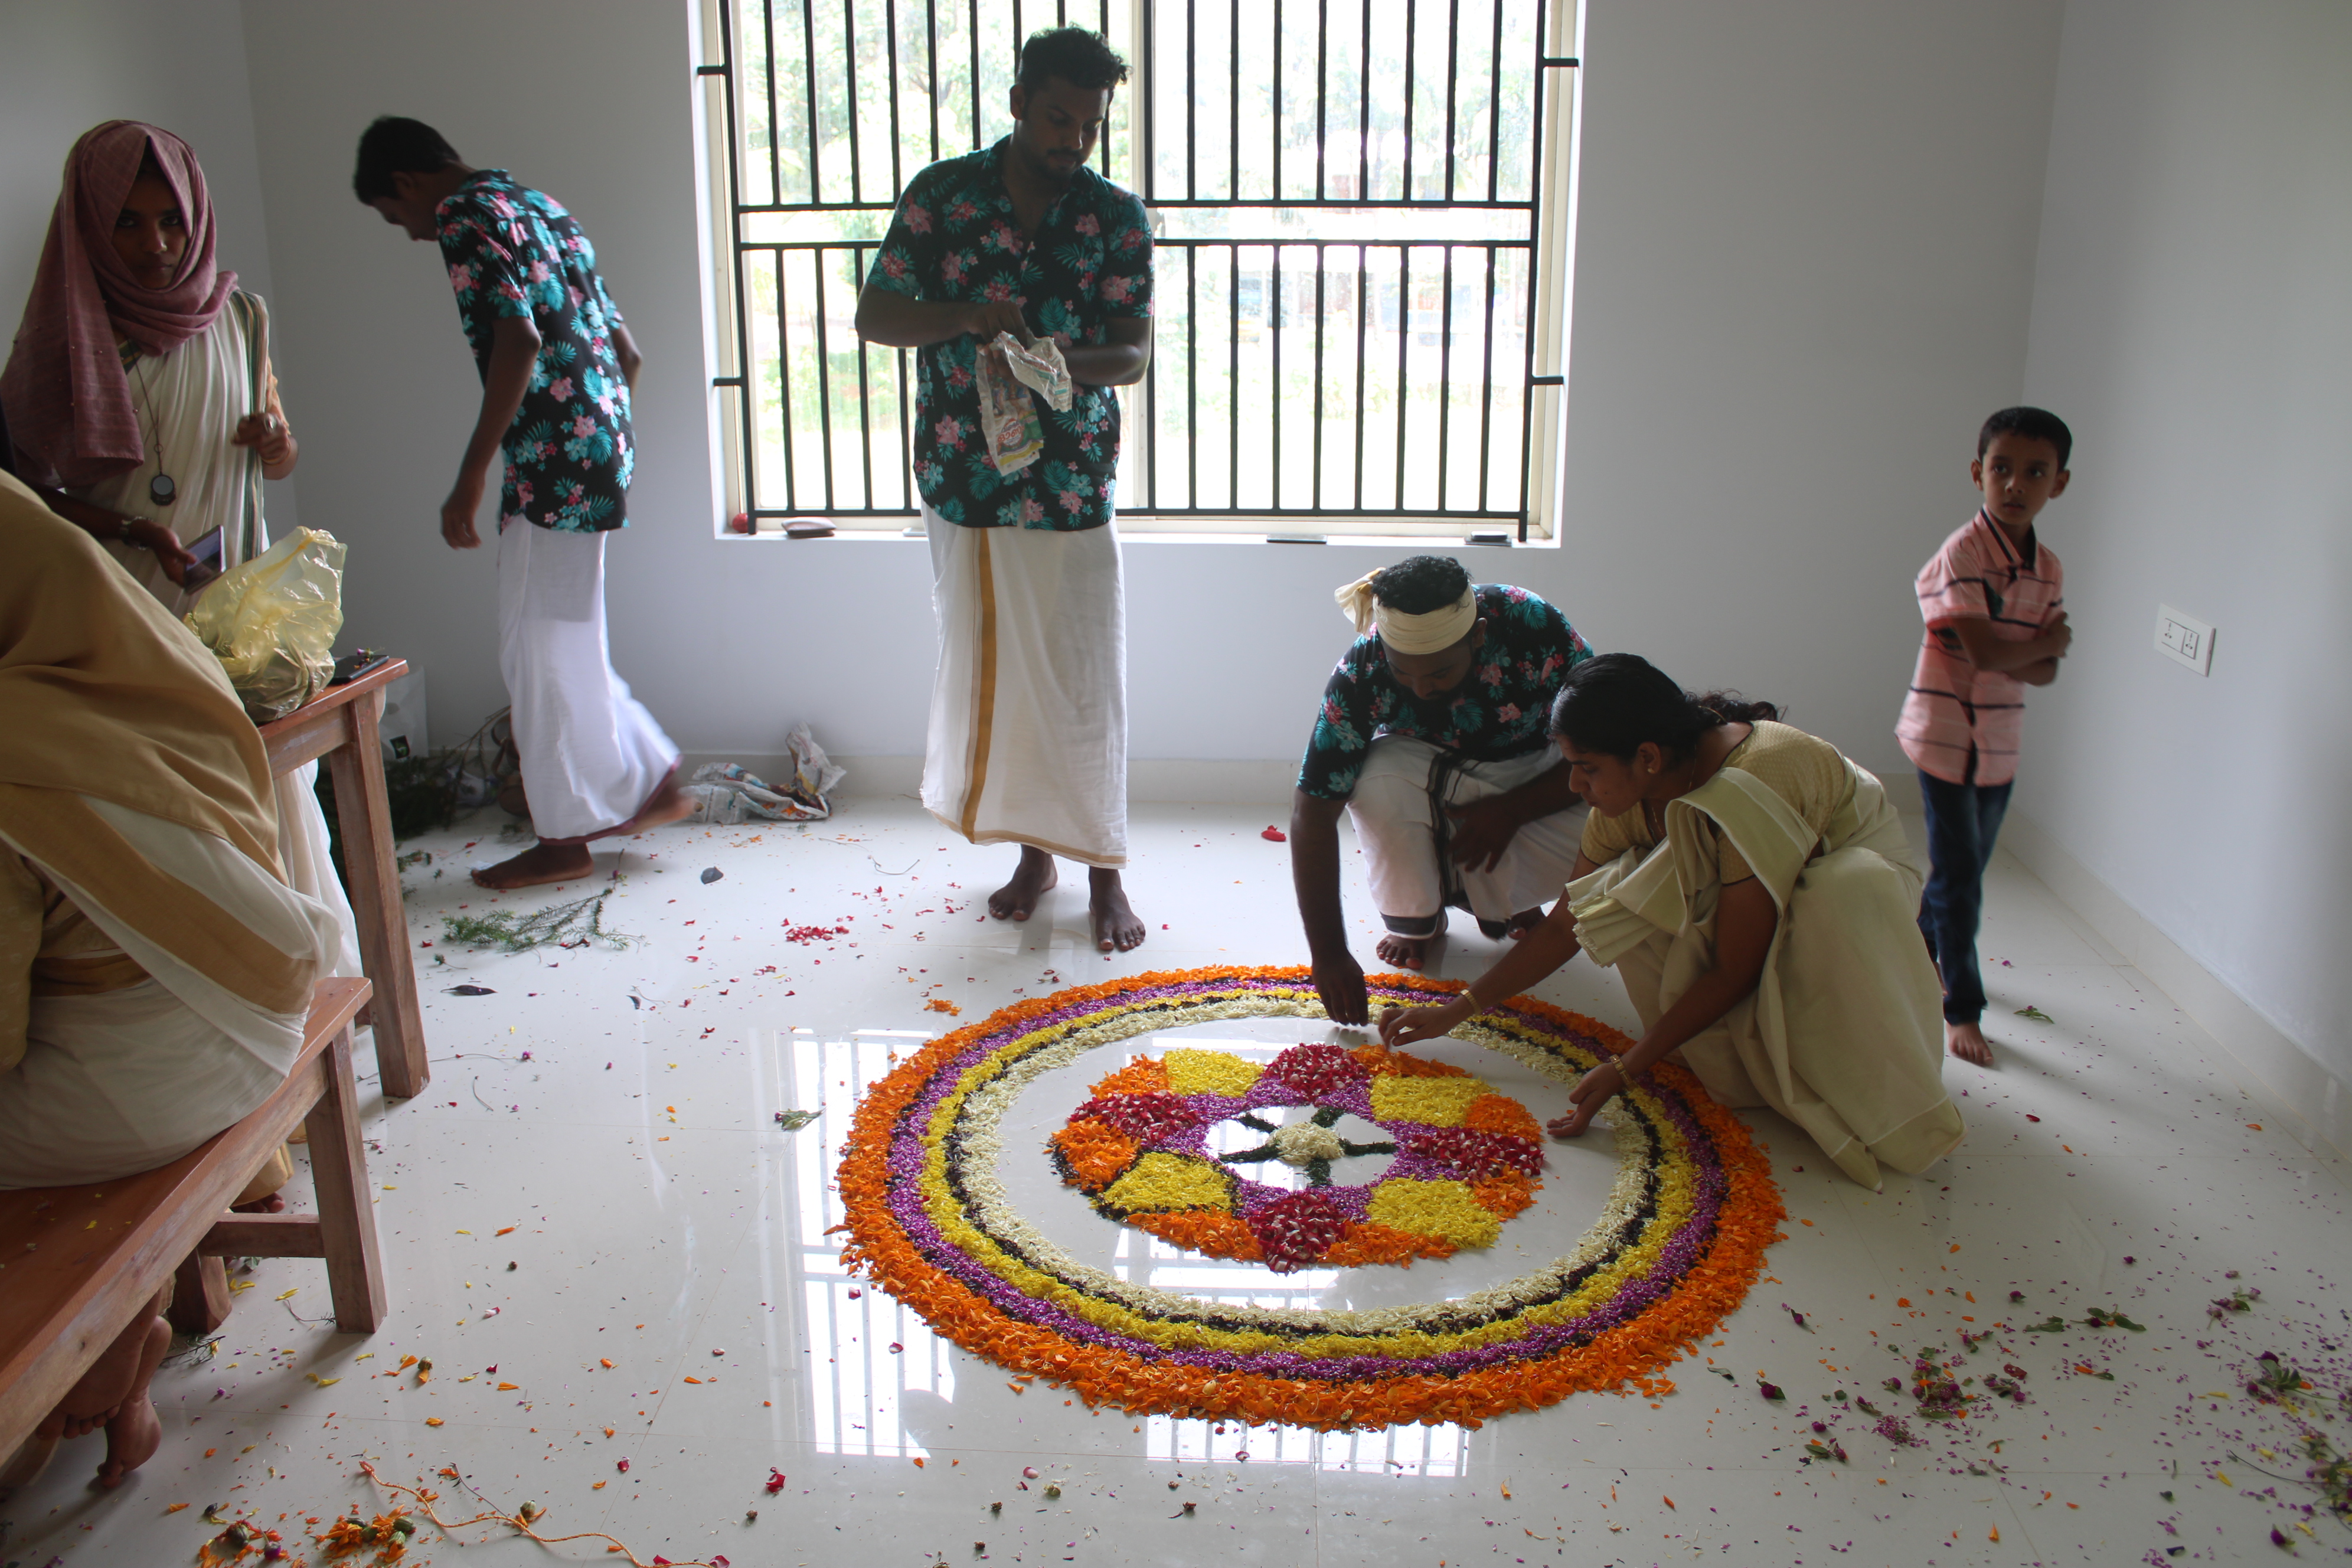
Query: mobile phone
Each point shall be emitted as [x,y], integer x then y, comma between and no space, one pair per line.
[356,663]
[206,566]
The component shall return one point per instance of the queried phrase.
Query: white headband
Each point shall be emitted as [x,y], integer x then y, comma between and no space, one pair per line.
[1432,633]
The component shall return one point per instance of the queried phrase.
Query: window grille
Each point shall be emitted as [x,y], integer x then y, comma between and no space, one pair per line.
[1358,266]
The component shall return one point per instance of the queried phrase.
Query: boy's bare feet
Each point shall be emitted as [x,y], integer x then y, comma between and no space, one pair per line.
[1032,880]
[539,864]
[1409,952]
[1115,925]
[270,1204]
[1966,1042]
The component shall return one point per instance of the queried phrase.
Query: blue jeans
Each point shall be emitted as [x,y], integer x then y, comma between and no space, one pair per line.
[1962,821]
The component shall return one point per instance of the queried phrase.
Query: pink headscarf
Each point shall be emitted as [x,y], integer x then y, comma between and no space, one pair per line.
[67,399]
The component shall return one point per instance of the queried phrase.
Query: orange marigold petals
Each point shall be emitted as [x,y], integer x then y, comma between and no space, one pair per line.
[1144,1074]
[1504,1194]
[1201,1230]
[1501,1113]
[1097,1151]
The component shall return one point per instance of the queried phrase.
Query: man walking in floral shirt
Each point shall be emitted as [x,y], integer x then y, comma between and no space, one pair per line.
[1028,732]
[557,363]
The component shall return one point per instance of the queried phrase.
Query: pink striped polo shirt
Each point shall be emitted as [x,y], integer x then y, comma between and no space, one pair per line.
[1957,712]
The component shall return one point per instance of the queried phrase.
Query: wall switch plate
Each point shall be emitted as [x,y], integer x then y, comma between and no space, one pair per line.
[2182,637]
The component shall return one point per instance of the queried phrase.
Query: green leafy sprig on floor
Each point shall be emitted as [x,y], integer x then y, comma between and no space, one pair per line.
[580,923]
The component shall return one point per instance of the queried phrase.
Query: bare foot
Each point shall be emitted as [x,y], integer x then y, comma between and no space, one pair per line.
[1113,924]
[135,1432]
[1966,1042]
[1409,952]
[1523,922]
[272,1204]
[539,864]
[669,803]
[1032,880]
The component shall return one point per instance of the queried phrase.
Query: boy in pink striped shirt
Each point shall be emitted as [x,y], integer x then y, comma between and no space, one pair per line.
[1993,600]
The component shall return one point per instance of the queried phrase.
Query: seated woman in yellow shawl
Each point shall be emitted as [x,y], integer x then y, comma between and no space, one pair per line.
[1757,892]
[156,969]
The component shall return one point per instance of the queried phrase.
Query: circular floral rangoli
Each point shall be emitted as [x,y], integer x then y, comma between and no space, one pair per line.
[1675,1248]
[1466,1158]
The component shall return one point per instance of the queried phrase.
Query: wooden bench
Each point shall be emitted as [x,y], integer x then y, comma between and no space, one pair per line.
[78,1263]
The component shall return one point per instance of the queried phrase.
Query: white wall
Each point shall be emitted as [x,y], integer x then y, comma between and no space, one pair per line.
[1806,229]
[179,64]
[2192,319]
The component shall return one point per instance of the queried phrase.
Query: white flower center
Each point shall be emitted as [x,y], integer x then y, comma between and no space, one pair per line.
[1302,1143]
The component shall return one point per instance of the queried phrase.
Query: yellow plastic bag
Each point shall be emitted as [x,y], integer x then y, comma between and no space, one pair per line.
[273,622]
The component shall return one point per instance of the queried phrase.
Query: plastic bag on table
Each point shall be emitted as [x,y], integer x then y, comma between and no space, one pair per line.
[726,793]
[272,620]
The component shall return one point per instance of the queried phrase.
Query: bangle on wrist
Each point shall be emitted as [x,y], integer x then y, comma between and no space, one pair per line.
[1470,994]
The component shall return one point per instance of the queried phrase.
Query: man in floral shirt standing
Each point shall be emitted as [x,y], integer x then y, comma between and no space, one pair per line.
[1434,735]
[1028,734]
[557,363]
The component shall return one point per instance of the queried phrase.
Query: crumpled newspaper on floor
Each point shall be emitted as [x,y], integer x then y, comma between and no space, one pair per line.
[726,793]
[1007,372]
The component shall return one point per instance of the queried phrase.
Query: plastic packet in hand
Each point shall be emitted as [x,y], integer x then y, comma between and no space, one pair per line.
[1008,416]
[1041,366]
[272,621]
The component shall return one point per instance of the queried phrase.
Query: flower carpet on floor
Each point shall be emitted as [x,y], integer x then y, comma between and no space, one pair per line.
[1675,1247]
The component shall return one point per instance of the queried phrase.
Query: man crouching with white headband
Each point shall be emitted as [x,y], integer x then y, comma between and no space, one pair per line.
[1432,736]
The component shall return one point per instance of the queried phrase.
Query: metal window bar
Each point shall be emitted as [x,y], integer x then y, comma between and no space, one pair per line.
[1363,333]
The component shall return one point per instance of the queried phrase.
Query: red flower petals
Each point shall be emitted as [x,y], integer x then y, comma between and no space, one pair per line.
[1146,1117]
[1315,1071]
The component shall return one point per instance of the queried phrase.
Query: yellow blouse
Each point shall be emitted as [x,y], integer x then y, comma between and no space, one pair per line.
[1808,772]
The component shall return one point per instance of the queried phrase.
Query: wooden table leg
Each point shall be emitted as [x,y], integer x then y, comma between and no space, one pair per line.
[365,813]
[346,1206]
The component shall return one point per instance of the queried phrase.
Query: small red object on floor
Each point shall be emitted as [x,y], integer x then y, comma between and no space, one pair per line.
[1274,836]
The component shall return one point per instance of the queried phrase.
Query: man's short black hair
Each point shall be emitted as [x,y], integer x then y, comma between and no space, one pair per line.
[1082,59]
[2034,424]
[1420,584]
[396,146]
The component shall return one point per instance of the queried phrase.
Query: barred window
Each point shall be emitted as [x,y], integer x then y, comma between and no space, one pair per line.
[1359,217]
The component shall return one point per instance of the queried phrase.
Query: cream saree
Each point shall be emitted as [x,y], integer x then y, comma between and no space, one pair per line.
[1843,1034]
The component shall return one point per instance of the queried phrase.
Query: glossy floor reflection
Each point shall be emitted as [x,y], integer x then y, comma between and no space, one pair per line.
[628,1280]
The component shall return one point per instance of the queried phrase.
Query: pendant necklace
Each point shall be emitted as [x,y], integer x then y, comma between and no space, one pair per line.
[160,489]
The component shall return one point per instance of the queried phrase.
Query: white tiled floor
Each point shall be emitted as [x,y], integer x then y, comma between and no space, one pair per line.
[615,1111]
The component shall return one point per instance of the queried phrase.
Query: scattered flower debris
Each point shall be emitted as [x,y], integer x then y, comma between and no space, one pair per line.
[471,991]
[2036,1014]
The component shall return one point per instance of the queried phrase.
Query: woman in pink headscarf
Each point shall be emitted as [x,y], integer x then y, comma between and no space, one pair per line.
[139,394]
[139,399]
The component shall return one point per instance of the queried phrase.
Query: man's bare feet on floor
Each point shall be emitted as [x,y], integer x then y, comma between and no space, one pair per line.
[1032,881]
[114,1393]
[539,864]
[1966,1042]
[1409,952]
[1115,925]
[668,805]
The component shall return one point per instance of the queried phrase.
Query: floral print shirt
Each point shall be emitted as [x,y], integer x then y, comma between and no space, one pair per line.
[514,252]
[1502,709]
[954,237]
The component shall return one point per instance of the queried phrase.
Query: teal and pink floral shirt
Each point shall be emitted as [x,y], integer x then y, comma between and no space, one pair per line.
[1502,709]
[954,237]
[570,451]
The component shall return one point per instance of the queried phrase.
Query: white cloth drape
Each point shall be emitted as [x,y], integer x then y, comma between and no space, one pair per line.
[1393,815]
[127,1080]
[1028,732]
[592,756]
[187,402]
[307,856]
[1843,1033]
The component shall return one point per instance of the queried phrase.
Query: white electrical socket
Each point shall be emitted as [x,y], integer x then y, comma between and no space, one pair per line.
[2182,637]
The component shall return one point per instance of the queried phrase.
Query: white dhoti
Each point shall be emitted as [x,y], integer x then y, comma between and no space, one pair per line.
[126,1080]
[592,756]
[1397,811]
[1028,736]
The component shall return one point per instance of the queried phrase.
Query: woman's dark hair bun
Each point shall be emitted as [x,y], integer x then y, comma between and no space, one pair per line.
[1615,702]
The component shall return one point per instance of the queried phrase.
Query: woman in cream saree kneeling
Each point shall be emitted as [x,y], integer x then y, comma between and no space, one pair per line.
[1757,892]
